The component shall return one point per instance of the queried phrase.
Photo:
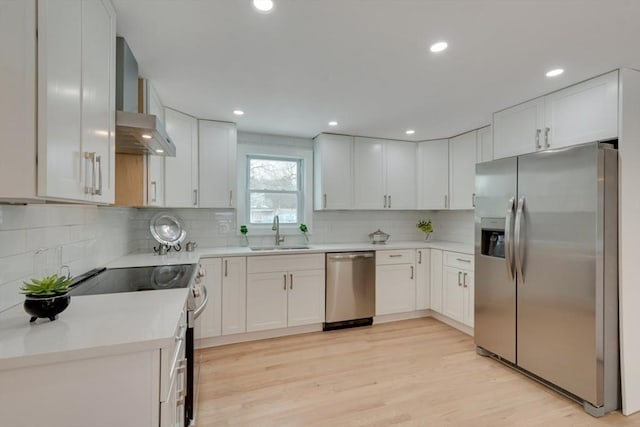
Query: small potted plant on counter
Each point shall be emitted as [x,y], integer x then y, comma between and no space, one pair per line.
[244,230]
[426,227]
[304,230]
[47,297]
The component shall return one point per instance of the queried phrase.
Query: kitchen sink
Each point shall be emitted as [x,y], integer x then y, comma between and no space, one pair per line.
[277,248]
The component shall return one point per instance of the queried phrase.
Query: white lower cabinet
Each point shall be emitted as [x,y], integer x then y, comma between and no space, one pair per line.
[395,281]
[234,291]
[423,279]
[457,287]
[283,291]
[435,264]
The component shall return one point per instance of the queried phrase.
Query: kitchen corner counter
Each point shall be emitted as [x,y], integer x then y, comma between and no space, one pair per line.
[172,258]
[92,326]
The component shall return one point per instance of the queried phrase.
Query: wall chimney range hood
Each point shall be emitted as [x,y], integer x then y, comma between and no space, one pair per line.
[136,132]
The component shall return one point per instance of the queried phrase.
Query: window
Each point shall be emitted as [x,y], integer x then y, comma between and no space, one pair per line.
[274,187]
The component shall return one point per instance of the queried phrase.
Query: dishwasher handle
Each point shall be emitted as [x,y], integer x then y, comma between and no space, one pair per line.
[354,255]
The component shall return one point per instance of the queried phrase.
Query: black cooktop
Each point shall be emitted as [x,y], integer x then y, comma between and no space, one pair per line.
[115,280]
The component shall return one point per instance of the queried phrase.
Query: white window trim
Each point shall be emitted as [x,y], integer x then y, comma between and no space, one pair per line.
[283,151]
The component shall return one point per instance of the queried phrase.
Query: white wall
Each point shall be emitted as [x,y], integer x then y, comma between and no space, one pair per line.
[36,239]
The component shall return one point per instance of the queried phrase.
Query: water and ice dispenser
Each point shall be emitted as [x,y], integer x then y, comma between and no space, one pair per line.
[492,238]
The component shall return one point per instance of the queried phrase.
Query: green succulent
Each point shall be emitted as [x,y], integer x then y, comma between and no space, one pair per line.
[425,226]
[304,228]
[244,229]
[48,285]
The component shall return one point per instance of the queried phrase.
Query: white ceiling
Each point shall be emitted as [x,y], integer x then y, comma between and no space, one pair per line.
[367,64]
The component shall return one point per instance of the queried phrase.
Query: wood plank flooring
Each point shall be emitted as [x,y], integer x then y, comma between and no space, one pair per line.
[410,373]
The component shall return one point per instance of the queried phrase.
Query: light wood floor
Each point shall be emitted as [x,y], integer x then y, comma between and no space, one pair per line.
[410,373]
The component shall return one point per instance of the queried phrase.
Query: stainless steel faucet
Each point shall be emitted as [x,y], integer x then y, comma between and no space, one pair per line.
[276,228]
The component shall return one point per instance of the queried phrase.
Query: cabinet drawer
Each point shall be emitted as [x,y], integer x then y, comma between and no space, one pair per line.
[458,260]
[277,263]
[172,357]
[404,256]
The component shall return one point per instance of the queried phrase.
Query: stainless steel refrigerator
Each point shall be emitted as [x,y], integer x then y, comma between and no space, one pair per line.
[546,265]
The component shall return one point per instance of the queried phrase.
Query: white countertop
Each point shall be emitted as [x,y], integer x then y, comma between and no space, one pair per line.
[139,260]
[92,325]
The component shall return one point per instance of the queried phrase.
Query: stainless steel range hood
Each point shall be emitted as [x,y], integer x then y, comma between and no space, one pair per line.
[136,132]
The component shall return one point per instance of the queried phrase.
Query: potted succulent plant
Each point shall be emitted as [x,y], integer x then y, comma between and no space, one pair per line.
[426,227]
[47,297]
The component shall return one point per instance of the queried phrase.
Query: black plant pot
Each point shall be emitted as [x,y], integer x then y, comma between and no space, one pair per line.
[46,306]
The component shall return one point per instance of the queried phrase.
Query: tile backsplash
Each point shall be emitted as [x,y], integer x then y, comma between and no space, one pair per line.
[38,239]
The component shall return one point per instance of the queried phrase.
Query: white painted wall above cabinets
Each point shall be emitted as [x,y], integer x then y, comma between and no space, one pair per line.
[74,101]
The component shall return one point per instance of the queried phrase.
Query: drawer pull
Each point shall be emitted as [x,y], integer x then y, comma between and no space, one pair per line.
[395,256]
[463,260]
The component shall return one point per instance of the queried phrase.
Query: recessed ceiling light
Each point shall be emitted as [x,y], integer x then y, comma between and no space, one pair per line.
[410,132]
[159,151]
[555,72]
[238,112]
[439,47]
[333,123]
[263,6]
[146,136]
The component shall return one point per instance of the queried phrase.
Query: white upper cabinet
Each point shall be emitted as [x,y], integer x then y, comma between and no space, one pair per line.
[76,104]
[181,171]
[155,164]
[333,172]
[581,113]
[462,170]
[484,145]
[433,174]
[217,164]
[385,176]
[518,130]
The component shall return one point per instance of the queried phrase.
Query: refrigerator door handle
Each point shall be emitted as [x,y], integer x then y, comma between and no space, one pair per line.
[508,253]
[517,239]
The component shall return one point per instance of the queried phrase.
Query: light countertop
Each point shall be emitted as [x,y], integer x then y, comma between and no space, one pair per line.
[92,326]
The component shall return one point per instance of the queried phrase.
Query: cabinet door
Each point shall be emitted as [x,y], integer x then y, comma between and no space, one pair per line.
[453,294]
[181,171]
[370,173]
[217,164]
[582,113]
[234,291]
[518,130]
[462,170]
[61,167]
[155,180]
[433,174]
[98,94]
[423,279]
[266,301]
[484,145]
[395,288]
[401,175]
[436,280]
[306,297]
[333,172]
[469,297]
[209,324]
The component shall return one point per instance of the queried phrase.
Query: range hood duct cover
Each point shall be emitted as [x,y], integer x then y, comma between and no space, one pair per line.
[136,132]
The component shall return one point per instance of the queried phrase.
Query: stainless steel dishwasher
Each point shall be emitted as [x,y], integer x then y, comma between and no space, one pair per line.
[351,290]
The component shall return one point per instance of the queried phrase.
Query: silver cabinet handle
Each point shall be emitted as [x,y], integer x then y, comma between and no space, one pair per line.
[538,139]
[226,265]
[546,137]
[99,162]
[389,202]
[290,281]
[154,185]
[385,200]
[473,200]
[88,165]
[93,173]
[446,201]
[459,278]
[508,252]
[284,281]
[419,257]
[324,201]
[230,197]
[464,280]
[517,239]
[463,260]
[412,268]
[195,197]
